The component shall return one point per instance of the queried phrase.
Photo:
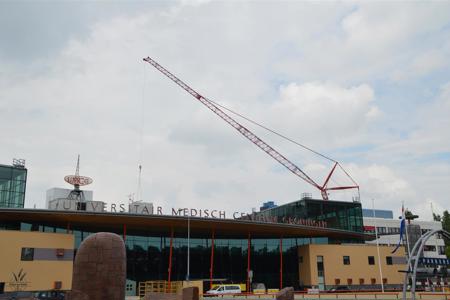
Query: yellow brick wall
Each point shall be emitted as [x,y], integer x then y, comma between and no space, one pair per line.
[358,267]
[39,274]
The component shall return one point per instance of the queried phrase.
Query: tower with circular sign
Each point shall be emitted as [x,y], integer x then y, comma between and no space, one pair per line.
[77,180]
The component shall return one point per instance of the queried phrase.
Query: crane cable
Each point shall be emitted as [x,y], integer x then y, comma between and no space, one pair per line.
[141,142]
[272,131]
[283,137]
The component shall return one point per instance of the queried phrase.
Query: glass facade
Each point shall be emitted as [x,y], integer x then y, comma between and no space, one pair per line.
[148,255]
[336,214]
[148,259]
[379,213]
[12,186]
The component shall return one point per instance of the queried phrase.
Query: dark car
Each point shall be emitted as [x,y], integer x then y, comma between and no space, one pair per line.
[50,295]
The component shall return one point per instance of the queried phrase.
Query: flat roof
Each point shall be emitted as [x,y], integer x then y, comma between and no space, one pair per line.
[13,167]
[339,202]
[163,224]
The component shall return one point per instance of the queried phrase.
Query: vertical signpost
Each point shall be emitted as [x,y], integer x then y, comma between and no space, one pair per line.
[211,267]
[170,260]
[249,272]
[250,278]
[281,263]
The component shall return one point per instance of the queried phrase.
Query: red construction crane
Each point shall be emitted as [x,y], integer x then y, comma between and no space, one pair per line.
[255,139]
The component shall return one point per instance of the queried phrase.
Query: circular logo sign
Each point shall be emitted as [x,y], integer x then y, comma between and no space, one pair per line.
[78,180]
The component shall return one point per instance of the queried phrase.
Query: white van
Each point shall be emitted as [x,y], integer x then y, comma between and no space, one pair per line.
[225,289]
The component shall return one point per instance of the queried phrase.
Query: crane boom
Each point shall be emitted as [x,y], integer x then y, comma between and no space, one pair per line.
[247,133]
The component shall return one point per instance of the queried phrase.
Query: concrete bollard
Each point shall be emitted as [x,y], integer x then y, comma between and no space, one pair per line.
[190,293]
[161,296]
[286,294]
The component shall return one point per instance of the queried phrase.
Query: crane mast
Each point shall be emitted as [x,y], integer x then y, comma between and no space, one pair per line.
[251,136]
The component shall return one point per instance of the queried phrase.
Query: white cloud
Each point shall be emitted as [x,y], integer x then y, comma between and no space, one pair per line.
[428,137]
[374,39]
[381,182]
[424,64]
[324,114]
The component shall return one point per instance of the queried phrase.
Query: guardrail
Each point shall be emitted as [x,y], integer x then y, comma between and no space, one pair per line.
[427,295]
[340,295]
[243,295]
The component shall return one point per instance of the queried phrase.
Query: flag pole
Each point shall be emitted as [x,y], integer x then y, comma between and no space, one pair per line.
[378,246]
[407,236]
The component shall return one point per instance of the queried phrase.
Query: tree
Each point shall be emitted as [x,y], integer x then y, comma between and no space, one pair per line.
[445,219]
[437,217]
[410,216]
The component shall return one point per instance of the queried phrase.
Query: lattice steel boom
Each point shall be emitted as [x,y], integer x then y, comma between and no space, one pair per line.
[250,135]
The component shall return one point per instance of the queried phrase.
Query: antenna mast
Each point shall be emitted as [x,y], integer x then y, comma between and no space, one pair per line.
[77,181]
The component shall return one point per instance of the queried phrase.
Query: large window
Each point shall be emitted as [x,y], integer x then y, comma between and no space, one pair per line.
[320,273]
[429,248]
[371,260]
[12,186]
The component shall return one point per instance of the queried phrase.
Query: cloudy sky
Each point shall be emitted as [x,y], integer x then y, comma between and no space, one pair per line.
[367,84]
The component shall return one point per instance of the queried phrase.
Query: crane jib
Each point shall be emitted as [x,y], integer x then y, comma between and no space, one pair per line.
[250,135]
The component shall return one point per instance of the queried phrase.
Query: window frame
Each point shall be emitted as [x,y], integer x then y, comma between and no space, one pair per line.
[346,261]
[27,256]
[389,260]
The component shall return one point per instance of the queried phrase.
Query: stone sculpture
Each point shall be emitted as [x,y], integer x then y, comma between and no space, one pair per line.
[99,271]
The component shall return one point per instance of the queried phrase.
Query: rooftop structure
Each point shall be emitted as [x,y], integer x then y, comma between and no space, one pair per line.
[379,213]
[333,214]
[77,180]
[267,205]
[13,181]
[62,193]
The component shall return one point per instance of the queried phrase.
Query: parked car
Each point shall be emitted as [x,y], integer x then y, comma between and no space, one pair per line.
[339,288]
[225,289]
[17,296]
